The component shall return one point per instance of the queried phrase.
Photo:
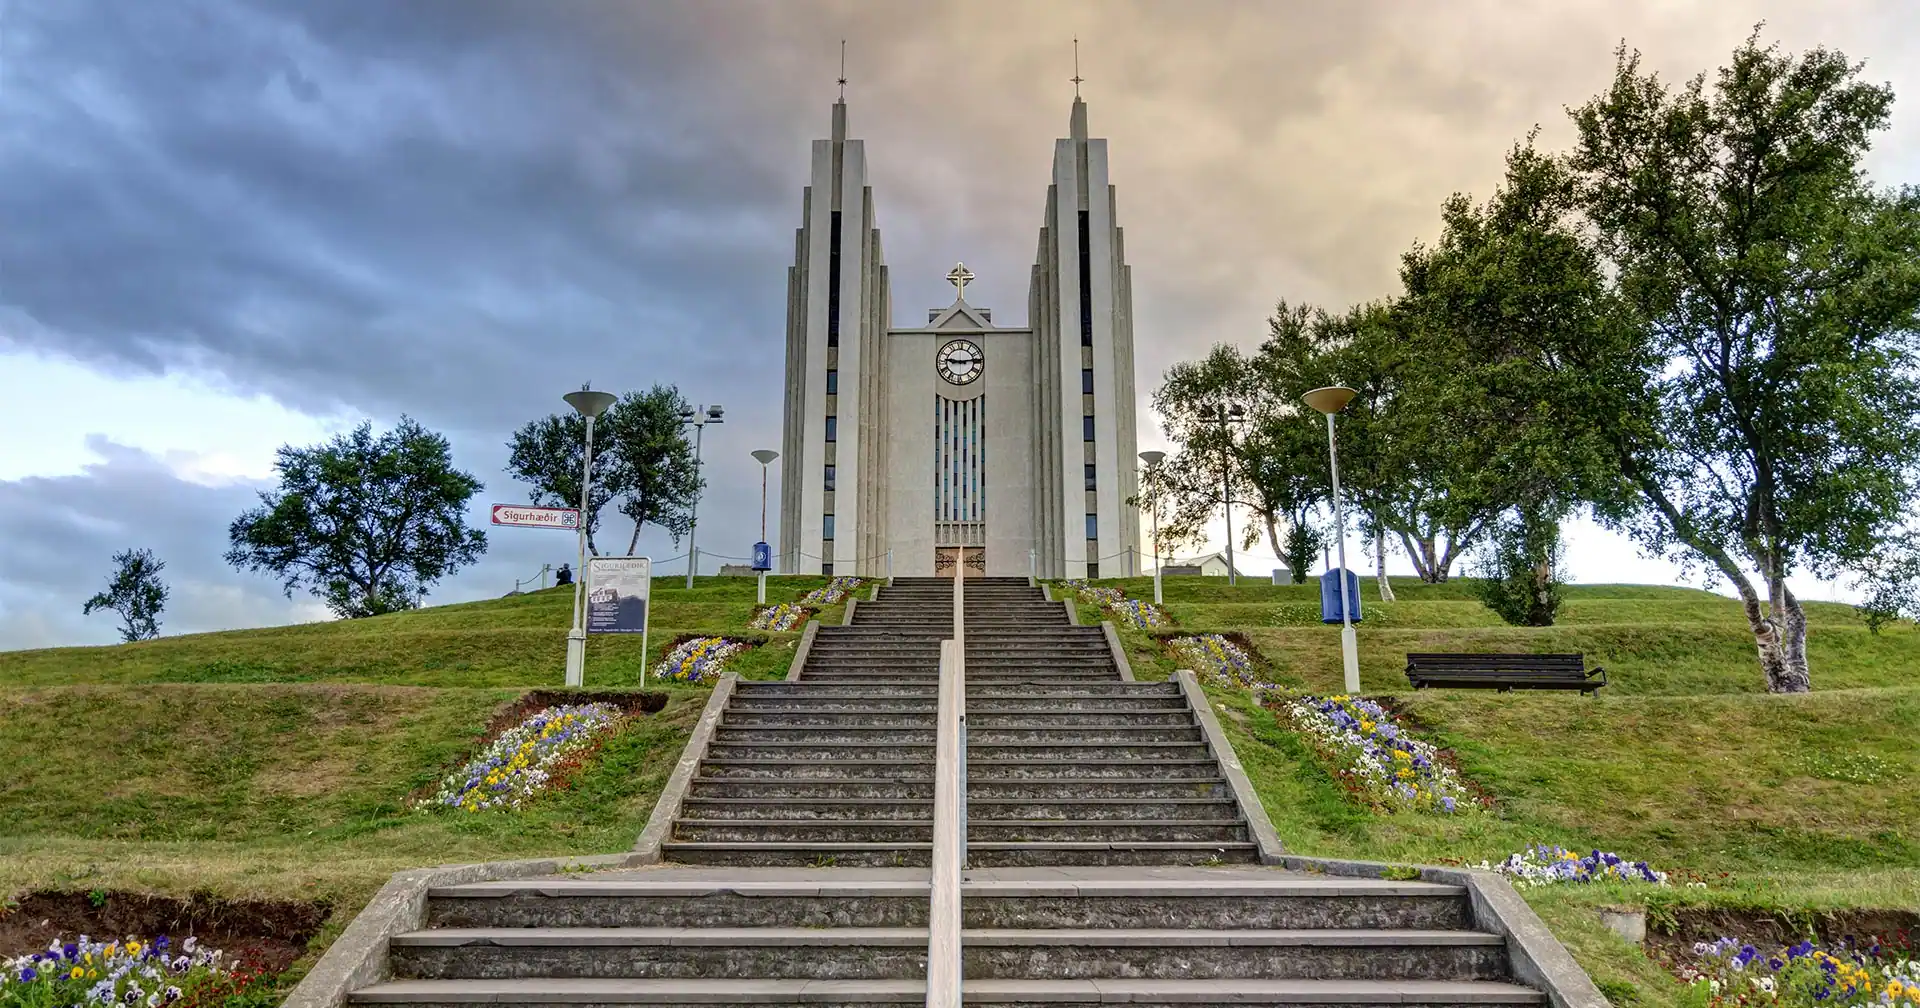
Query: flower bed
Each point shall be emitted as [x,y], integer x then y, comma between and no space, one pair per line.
[1215,657]
[1375,758]
[526,759]
[1125,611]
[833,592]
[698,660]
[1542,864]
[785,616]
[1844,975]
[129,974]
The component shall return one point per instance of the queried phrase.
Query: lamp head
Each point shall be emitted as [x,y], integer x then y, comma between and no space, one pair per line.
[1152,458]
[765,455]
[714,413]
[1329,400]
[590,404]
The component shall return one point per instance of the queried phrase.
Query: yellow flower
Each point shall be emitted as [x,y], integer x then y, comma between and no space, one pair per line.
[76,974]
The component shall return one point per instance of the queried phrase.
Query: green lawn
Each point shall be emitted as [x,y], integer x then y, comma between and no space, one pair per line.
[1783,804]
[280,762]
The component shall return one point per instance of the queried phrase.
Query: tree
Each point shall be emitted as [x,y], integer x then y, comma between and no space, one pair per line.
[547,454]
[653,471]
[368,524]
[1771,402]
[1521,579]
[135,592]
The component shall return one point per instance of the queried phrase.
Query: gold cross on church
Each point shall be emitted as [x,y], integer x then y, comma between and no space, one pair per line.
[960,277]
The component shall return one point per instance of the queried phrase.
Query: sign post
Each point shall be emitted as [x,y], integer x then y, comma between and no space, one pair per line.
[762,563]
[619,594]
[532,516]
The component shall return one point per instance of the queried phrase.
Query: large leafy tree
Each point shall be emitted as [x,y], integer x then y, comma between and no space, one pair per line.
[1509,317]
[1773,404]
[366,523]
[653,471]
[547,454]
[135,592]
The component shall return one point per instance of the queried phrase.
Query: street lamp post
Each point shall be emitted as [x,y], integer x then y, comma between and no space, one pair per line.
[1331,400]
[589,404]
[1153,460]
[764,456]
[699,418]
[1235,414]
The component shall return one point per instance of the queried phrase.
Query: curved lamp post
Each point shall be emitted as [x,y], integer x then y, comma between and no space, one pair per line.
[1331,400]
[1153,460]
[764,456]
[1235,414]
[589,404]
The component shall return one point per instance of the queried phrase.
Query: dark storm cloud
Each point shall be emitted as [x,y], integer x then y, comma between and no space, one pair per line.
[458,209]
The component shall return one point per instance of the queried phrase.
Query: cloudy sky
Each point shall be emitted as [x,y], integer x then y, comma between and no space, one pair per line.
[229,226]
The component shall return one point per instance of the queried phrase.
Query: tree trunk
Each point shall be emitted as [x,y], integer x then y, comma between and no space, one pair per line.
[634,543]
[1434,573]
[1380,562]
[1789,672]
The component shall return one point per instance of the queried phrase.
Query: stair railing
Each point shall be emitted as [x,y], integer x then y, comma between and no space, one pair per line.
[949,831]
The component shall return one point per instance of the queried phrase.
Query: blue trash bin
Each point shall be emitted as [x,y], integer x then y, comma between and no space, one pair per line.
[1330,595]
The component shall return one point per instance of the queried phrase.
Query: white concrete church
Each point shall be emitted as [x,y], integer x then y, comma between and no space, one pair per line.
[959,447]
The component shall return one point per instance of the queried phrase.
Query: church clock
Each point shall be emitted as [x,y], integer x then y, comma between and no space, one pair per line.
[960,361]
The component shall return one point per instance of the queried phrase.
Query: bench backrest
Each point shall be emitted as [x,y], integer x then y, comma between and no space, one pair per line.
[1561,664]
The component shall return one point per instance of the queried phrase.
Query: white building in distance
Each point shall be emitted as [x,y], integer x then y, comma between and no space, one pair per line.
[1014,445]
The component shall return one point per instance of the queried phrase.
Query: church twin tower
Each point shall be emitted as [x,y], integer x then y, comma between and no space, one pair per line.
[960,447]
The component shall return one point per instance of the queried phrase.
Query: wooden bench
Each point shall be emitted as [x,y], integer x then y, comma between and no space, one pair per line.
[1504,672]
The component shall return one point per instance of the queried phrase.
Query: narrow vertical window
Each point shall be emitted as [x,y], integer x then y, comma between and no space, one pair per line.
[1093,526]
[826,569]
[826,526]
[1086,428]
[1086,281]
[1092,483]
[829,481]
[833,281]
[833,381]
[1086,381]
[833,428]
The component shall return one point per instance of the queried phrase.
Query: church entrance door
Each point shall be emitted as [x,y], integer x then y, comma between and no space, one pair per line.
[960,561]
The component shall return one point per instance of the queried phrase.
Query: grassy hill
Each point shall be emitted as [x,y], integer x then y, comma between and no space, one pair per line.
[278,762]
[1783,805]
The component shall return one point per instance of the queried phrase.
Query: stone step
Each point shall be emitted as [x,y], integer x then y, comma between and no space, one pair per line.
[892,854]
[803,831]
[1082,788]
[656,899]
[1092,809]
[1000,854]
[757,690]
[1182,954]
[788,789]
[833,705]
[1060,656]
[1023,992]
[812,808]
[984,768]
[820,751]
[1076,706]
[1074,690]
[678,991]
[1120,735]
[832,676]
[1079,751]
[1044,831]
[1277,902]
[918,768]
[729,735]
[1041,677]
[706,953]
[1068,720]
[816,718]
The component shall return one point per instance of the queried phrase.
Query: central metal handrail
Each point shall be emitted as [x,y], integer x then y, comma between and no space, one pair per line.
[949,833]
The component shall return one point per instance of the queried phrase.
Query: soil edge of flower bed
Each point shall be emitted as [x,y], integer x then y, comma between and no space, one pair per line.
[266,934]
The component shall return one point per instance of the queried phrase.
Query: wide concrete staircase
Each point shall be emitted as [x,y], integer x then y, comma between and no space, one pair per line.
[1101,834]
[1070,764]
[834,768]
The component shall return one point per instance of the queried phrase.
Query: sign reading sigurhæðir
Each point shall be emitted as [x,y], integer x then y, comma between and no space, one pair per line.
[536,517]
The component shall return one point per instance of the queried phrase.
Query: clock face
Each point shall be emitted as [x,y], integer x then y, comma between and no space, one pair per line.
[961,361]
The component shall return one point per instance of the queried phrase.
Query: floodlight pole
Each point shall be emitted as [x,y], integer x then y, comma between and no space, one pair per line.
[1153,460]
[699,418]
[1329,401]
[1226,418]
[764,456]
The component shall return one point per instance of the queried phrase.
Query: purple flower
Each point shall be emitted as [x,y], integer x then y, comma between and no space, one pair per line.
[27,974]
